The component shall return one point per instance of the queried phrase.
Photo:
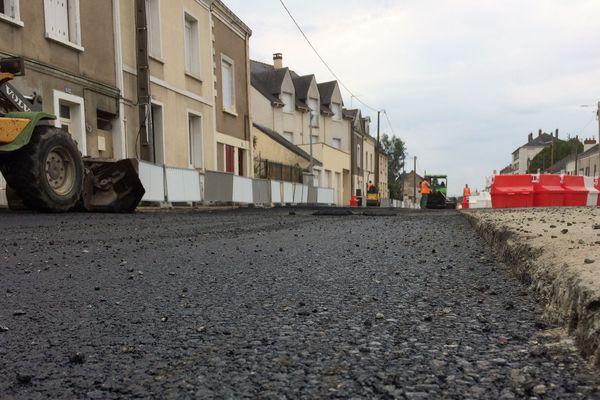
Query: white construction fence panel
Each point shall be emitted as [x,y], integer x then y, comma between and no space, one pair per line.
[153,179]
[304,194]
[298,189]
[276,192]
[288,192]
[242,190]
[3,201]
[593,192]
[183,185]
[261,191]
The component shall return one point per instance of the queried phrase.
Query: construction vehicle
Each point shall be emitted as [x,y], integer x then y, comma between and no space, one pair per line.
[43,167]
[438,199]
[373,198]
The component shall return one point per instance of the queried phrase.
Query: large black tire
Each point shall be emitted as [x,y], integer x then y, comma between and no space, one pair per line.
[47,174]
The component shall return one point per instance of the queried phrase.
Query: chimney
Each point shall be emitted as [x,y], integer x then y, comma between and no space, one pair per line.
[539,133]
[588,144]
[530,138]
[278,60]
[557,133]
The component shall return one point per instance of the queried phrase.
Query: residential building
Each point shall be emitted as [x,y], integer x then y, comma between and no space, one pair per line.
[410,183]
[232,98]
[369,158]
[585,164]
[168,81]
[69,65]
[307,115]
[358,127]
[384,190]
[522,156]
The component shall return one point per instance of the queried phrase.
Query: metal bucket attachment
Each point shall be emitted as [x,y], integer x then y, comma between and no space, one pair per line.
[111,186]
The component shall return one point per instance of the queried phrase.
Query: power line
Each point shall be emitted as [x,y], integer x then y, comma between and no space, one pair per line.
[389,122]
[323,60]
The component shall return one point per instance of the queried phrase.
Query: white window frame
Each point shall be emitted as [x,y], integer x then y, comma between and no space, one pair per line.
[161,136]
[231,109]
[74,24]
[336,143]
[314,139]
[289,136]
[289,107]
[337,111]
[13,17]
[313,115]
[155,50]
[358,155]
[77,119]
[192,145]
[192,59]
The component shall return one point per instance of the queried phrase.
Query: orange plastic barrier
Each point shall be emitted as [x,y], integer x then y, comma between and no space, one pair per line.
[549,192]
[576,193]
[512,191]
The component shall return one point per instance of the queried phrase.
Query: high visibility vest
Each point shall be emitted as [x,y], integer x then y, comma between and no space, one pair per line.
[425,188]
[466,192]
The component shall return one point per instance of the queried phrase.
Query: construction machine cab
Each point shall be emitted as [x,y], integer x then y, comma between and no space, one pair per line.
[439,192]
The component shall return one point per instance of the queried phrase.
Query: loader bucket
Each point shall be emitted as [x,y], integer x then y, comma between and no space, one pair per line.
[111,186]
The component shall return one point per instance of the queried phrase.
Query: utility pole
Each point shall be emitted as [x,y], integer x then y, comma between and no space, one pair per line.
[147,151]
[377,181]
[415,179]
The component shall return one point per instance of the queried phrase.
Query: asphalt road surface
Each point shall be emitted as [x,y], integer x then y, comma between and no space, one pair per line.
[264,304]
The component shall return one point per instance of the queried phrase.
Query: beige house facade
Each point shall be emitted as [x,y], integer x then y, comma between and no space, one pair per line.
[233,119]
[302,111]
[181,118]
[384,190]
[69,66]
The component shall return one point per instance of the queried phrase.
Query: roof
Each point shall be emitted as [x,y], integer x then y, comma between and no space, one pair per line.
[542,140]
[326,90]
[233,18]
[302,84]
[285,143]
[268,81]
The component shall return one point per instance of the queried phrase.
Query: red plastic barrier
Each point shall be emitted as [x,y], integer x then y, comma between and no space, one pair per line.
[465,203]
[576,193]
[512,191]
[598,187]
[549,192]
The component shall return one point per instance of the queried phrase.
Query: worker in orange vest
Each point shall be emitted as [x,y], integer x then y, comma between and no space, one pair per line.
[466,192]
[425,192]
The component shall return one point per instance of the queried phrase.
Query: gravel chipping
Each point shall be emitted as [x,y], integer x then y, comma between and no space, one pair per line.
[271,305]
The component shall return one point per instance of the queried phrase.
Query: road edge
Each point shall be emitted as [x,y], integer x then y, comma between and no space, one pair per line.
[566,300]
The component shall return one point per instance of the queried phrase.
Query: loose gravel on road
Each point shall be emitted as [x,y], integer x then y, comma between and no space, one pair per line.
[270,305]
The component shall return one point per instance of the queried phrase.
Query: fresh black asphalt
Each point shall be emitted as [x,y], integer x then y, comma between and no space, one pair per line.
[270,304]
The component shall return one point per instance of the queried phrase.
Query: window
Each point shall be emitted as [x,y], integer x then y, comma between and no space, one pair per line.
[154,28]
[228,84]
[65,117]
[337,143]
[358,155]
[195,140]
[587,171]
[288,100]
[192,46]
[289,136]
[62,21]
[337,111]
[10,9]
[313,104]
[314,139]
[327,179]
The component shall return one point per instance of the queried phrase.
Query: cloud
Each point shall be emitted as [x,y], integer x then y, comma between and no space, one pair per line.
[463,82]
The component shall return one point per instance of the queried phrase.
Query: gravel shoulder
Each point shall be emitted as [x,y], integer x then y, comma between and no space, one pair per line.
[271,305]
[557,252]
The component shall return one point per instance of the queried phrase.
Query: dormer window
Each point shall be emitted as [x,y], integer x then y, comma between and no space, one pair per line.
[336,108]
[288,101]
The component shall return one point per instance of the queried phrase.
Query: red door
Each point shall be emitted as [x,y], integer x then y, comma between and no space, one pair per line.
[229,163]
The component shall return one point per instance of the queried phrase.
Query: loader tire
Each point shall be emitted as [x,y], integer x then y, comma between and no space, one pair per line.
[47,173]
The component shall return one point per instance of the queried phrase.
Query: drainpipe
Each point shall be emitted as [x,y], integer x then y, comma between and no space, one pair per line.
[120,145]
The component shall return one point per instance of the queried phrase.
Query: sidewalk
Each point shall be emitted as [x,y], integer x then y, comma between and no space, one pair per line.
[557,252]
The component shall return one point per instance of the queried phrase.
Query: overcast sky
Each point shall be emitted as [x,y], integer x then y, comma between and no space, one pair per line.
[463,81]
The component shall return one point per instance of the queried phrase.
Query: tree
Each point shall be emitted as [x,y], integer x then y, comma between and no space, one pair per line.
[561,149]
[395,149]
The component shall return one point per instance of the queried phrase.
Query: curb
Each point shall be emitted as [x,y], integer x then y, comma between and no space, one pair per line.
[566,300]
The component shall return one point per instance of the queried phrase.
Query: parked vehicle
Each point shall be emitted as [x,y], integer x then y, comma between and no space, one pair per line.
[43,167]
